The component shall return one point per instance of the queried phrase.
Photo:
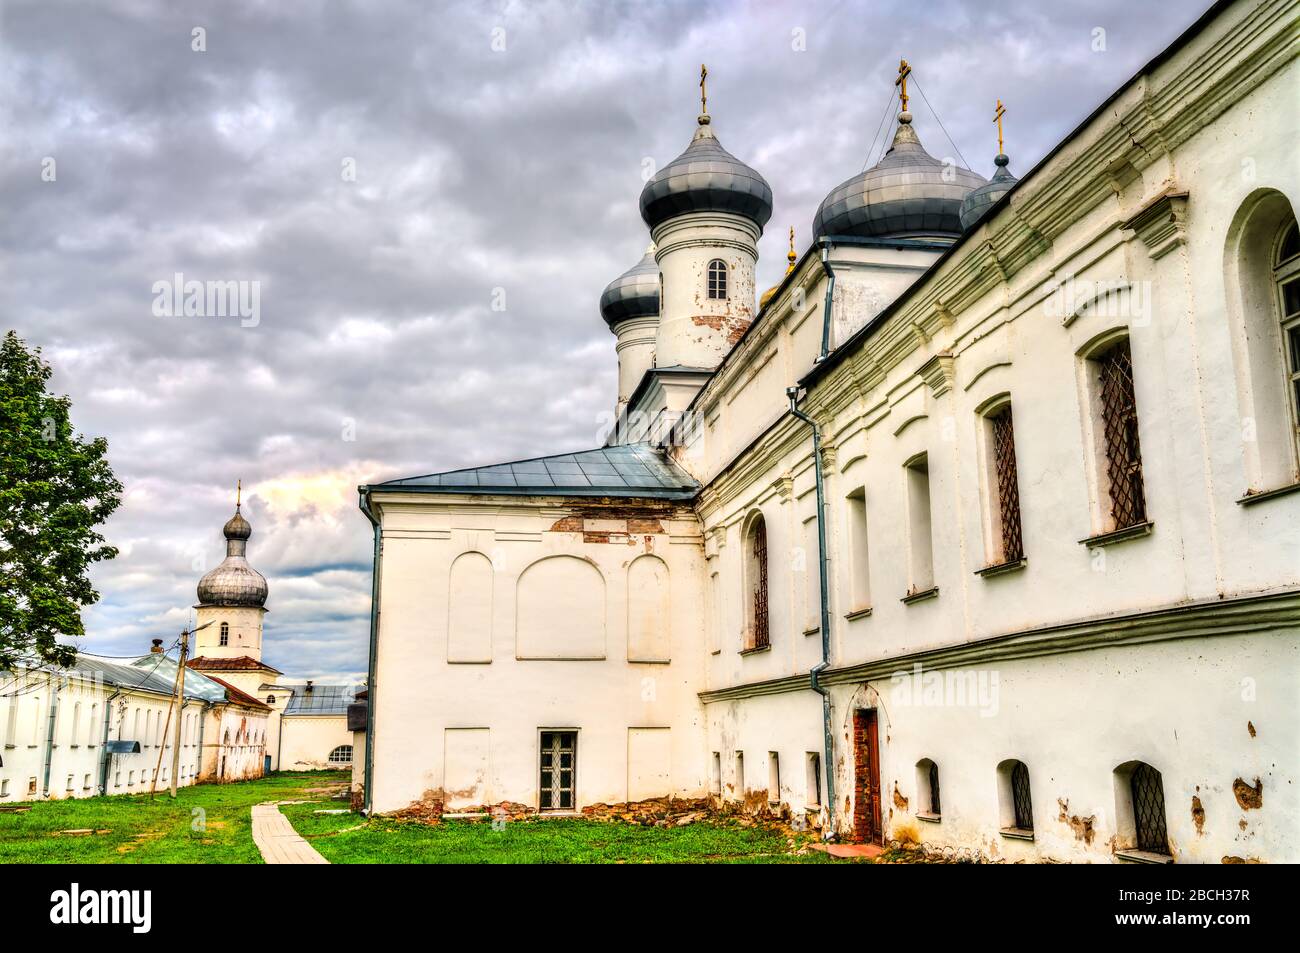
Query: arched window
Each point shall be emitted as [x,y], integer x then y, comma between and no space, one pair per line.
[225,633]
[718,279]
[1286,275]
[1262,285]
[341,755]
[927,789]
[1140,809]
[270,699]
[756,584]
[1015,799]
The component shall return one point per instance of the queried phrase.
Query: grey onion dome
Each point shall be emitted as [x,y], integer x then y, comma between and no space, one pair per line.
[234,582]
[237,527]
[633,294]
[907,194]
[980,200]
[706,178]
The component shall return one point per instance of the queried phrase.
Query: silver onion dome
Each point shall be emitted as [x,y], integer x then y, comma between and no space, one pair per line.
[980,200]
[706,178]
[907,194]
[633,294]
[234,582]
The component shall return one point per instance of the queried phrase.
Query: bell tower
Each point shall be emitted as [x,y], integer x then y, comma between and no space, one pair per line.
[232,598]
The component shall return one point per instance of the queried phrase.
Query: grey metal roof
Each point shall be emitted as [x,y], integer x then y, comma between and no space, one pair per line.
[908,193]
[706,178]
[633,294]
[321,700]
[234,582]
[980,200]
[625,470]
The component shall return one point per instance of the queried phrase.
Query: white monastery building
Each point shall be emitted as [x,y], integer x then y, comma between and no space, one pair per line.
[981,529]
[107,726]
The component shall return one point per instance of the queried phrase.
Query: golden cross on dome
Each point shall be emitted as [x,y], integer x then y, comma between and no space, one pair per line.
[790,256]
[997,118]
[903,72]
[239,493]
[704,90]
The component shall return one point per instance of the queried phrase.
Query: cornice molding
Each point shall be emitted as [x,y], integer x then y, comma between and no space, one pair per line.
[1209,618]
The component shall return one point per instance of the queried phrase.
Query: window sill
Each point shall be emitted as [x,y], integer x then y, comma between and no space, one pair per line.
[756,650]
[1136,531]
[812,631]
[1262,495]
[1143,857]
[914,597]
[858,613]
[930,818]
[998,569]
[1017,833]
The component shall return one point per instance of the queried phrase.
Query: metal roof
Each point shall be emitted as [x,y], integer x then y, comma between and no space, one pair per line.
[632,470]
[321,700]
[633,294]
[706,177]
[907,193]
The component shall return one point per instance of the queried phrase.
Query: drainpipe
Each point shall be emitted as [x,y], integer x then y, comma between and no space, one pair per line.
[105,757]
[369,774]
[198,768]
[49,734]
[826,308]
[814,675]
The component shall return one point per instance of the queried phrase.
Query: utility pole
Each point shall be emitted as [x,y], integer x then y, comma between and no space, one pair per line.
[180,710]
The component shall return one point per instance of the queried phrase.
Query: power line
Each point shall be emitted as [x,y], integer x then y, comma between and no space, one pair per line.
[940,122]
[879,126]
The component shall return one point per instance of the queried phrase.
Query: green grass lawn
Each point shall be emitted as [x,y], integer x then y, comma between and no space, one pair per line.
[141,830]
[211,824]
[349,839]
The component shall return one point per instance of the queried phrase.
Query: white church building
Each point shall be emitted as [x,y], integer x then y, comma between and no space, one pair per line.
[307,727]
[981,529]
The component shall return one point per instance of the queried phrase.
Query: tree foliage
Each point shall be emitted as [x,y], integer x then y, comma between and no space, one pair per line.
[56,488]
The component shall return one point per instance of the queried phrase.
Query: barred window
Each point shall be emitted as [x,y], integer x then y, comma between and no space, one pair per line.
[718,279]
[1006,486]
[1147,790]
[1286,274]
[341,755]
[559,750]
[760,636]
[1128,505]
[1014,798]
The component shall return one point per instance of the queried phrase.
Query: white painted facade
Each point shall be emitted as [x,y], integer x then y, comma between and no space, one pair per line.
[58,728]
[1175,644]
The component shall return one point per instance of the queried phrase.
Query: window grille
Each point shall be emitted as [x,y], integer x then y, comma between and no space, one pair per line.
[1128,504]
[1004,456]
[225,633]
[1024,809]
[762,637]
[341,755]
[559,753]
[717,279]
[1148,792]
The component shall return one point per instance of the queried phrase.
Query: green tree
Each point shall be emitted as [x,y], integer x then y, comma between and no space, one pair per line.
[56,487]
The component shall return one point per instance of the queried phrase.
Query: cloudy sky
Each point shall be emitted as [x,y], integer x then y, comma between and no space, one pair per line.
[380,170]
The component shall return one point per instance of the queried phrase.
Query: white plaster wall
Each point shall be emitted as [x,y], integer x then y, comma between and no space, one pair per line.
[695,330]
[78,741]
[307,741]
[420,696]
[245,632]
[1072,719]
